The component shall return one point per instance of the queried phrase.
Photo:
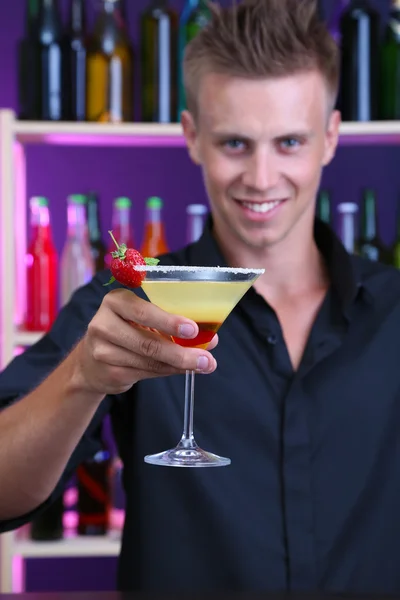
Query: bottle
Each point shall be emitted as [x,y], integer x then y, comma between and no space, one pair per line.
[159,29]
[324,211]
[48,525]
[195,15]
[50,49]
[154,240]
[390,66]
[121,226]
[195,214]
[94,493]
[97,246]
[77,264]
[347,225]
[74,63]
[360,62]
[369,243]
[109,92]
[28,65]
[41,269]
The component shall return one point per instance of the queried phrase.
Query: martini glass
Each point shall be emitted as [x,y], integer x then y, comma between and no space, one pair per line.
[206,295]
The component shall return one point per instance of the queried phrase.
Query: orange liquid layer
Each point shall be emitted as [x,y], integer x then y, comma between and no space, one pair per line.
[202,339]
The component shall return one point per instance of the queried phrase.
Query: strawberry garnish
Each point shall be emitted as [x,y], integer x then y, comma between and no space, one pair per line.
[123,265]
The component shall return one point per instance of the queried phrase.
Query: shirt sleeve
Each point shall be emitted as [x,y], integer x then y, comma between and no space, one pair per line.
[26,371]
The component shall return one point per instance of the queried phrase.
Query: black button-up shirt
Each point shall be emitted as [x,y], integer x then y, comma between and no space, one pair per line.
[312,497]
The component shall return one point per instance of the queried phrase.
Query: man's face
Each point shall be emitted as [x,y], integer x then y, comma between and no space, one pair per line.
[261,145]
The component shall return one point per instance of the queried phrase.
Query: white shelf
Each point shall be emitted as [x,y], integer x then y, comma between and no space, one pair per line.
[99,134]
[169,134]
[370,133]
[69,547]
[27,338]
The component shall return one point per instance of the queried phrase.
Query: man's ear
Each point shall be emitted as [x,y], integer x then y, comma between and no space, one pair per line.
[191,137]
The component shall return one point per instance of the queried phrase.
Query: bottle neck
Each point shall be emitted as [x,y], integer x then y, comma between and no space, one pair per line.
[324,209]
[77,225]
[77,21]
[153,216]
[40,222]
[110,15]
[195,224]
[50,6]
[32,16]
[369,225]
[347,230]
[122,224]
[93,221]
[49,21]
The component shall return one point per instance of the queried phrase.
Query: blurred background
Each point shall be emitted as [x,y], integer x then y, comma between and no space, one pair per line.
[84,64]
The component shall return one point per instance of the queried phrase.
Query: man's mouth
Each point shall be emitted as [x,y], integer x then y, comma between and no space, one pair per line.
[261,207]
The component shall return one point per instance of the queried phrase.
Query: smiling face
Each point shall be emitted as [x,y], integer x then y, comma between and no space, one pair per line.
[262,144]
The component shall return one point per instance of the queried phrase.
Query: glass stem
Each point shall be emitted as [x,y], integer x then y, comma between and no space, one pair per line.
[187,439]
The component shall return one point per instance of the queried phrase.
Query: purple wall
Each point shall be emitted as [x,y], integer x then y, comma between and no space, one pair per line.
[138,173]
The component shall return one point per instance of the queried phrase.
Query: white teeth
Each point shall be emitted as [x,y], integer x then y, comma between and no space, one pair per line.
[261,208]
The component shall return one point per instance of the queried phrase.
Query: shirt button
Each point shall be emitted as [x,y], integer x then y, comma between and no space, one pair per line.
[272,339]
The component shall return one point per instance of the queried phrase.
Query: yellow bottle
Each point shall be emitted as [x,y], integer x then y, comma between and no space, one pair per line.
[109,93]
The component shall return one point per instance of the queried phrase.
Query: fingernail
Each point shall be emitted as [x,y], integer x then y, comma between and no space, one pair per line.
[186,330]
[202,363]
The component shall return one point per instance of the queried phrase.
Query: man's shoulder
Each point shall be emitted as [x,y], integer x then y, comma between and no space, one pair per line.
[381,280]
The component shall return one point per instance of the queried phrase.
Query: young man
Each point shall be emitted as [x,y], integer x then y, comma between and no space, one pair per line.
[306,396]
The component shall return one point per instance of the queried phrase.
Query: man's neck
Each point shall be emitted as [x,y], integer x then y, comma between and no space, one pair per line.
[293,266]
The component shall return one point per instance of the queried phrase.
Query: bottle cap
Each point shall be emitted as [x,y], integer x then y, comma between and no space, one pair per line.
[347,207]
[196,209]
[154,203]
[77,199]
[38,201]
[122,202]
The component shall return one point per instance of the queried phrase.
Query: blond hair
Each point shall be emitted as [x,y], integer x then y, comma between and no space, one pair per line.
[260,39]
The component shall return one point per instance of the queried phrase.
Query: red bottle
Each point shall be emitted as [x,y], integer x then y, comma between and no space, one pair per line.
[41,267]
[154,238]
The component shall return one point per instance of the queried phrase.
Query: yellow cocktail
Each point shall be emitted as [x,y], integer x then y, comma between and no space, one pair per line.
[206,295]
[208,303]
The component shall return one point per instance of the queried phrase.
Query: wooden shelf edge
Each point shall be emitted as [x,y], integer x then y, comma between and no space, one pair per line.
[27,338]
[68,547]
[169,134]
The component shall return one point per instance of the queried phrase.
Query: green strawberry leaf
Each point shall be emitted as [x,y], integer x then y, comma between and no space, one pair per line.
[151,261]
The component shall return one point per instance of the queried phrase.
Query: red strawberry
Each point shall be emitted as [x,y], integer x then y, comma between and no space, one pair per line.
[123,265]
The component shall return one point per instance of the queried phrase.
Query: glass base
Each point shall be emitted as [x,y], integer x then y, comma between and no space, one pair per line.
[190,456]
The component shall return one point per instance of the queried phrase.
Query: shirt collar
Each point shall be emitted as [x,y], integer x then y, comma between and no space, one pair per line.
[344,271]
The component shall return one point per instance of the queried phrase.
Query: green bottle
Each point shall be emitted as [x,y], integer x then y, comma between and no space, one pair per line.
[369,243]
[195,15]
[324,210]
[390,66]
[159,32]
